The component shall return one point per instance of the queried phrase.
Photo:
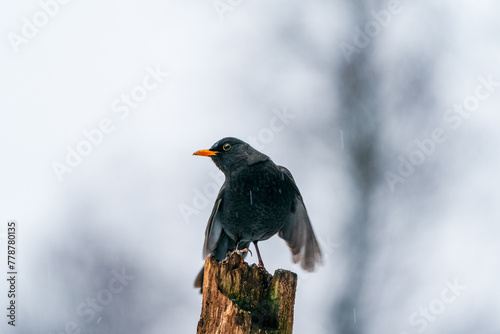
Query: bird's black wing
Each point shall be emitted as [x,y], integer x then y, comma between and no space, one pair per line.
[214,227]
[298,232]
[216,240]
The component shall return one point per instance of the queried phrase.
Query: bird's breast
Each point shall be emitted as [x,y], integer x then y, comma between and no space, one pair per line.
[256,203]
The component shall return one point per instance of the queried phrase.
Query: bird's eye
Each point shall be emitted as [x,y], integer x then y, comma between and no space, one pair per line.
[226,147]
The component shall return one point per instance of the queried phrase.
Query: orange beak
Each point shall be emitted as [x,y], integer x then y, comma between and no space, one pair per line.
[205,153]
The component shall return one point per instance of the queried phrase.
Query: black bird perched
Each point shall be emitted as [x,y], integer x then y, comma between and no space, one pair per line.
[257,200]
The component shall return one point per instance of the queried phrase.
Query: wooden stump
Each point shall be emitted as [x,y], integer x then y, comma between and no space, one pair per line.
[241,299]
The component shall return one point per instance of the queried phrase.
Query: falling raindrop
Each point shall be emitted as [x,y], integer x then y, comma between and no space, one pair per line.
[279,190]
[282,176]
[251,200]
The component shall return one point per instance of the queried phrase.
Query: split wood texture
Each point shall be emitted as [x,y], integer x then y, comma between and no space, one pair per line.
[243,299]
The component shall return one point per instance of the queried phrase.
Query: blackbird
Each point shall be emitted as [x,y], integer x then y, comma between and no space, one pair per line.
[257,200]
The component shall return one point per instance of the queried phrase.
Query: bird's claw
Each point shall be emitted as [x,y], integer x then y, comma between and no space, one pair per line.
[244,250]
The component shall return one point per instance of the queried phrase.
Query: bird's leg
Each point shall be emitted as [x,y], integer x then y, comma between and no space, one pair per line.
[261,264]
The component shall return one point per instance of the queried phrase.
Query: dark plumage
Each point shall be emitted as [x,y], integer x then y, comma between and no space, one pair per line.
[257,200]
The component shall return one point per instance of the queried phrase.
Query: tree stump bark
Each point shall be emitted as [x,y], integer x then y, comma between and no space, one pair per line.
[241,299]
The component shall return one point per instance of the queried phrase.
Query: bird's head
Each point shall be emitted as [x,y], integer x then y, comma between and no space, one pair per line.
[230,154]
